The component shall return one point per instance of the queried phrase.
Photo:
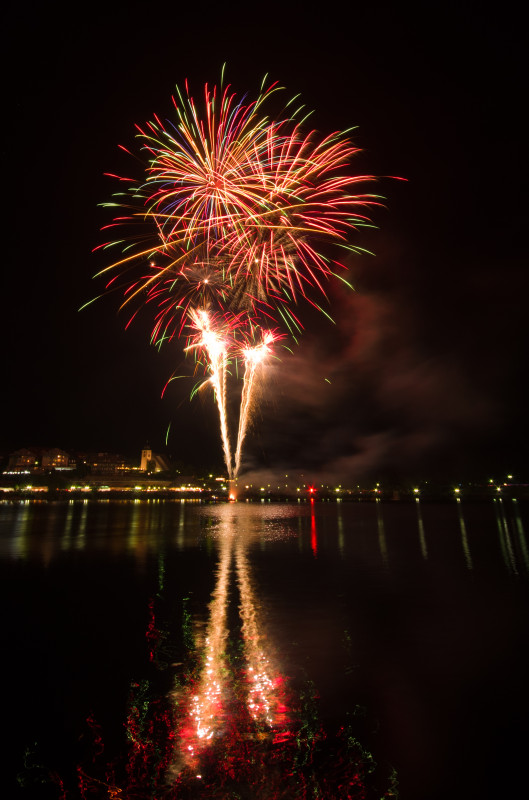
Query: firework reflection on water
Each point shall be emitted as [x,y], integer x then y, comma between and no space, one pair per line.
[225,700]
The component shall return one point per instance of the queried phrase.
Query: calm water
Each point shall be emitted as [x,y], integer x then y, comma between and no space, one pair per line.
[158,649]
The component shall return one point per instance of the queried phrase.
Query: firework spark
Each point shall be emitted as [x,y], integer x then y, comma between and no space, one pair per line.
[253,358]
[237,218]
[211,340]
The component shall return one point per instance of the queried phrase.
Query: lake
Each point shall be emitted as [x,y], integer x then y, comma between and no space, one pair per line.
[179,649]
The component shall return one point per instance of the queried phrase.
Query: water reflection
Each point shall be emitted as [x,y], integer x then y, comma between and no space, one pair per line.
[506,543]
[521,535]
[81,529]
[238,619]
[36,529]
[341,540]
[422,537]
[66,541]
[19,539]
[257,684]
[381,534]
[234,726]
[464,537]
[313,533]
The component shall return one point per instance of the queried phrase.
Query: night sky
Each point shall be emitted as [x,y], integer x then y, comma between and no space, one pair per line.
[425,370]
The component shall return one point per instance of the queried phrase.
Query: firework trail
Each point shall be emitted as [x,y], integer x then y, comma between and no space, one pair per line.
[253,358]
[215,347]
[237,217]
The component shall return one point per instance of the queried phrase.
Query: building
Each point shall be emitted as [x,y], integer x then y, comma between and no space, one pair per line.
[55,459]
[146,457]
[23,460]
[153,462]
[38,460]
[106,463]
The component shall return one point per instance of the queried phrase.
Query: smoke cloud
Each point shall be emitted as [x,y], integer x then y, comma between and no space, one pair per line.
[367,395]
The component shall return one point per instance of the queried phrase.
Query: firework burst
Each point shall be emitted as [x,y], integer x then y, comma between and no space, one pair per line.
[236,218]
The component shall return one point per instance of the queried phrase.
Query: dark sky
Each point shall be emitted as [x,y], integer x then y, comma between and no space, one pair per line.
[427,361]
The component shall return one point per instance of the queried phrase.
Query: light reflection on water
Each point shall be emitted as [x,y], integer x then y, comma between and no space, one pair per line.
[464,537]
[261,684]
[42,531]
[207,712]
[422,537]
